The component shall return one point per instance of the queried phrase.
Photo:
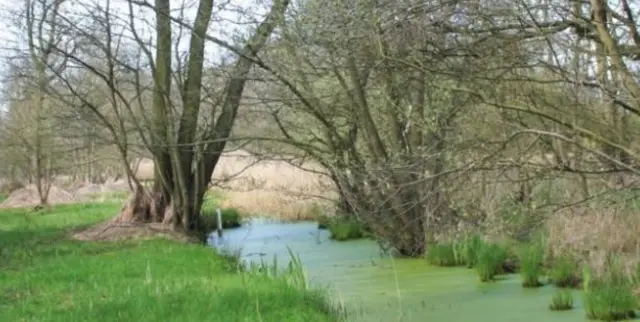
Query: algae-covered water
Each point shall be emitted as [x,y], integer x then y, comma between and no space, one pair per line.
[377,287]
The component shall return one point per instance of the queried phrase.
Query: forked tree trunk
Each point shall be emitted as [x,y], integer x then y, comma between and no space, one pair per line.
[182,174]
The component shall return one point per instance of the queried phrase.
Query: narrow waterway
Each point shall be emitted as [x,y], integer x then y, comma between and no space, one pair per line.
[377,287]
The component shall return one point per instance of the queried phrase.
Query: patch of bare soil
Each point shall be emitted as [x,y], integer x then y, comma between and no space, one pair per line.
[113,231]
[28,197]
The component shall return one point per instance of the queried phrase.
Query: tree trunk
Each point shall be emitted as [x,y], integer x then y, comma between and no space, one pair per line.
[181,172]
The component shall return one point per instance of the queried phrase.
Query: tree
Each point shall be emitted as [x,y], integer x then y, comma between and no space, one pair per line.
[29,127]
[185,155]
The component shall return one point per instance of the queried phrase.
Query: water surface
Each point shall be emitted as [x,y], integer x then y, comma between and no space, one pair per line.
[377,287]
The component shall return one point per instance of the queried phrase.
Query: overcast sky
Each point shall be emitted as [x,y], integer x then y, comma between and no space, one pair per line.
[233,18]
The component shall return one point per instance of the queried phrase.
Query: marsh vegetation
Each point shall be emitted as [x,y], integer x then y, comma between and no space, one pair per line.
[489,141]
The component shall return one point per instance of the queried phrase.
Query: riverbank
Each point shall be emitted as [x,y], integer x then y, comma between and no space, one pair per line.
[44,275]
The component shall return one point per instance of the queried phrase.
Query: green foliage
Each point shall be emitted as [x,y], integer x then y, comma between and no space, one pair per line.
[459,253]
[562,300]
[489,261]
[531,257]
[609,297]
[442,255]
[231,217]
[563,272]
[471,246]
[44,275]
[342,229]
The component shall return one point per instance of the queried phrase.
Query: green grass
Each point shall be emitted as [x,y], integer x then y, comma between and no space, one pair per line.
[563,272]
[562,300]
[609,297]
[442,255]
[489,261]
[231,217]
[46,277]
[470,247]
[342,229]
[531,258]
[458,253]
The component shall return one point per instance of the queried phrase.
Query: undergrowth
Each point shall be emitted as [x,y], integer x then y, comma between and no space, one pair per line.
[562,300]
[531,257]
[609,297]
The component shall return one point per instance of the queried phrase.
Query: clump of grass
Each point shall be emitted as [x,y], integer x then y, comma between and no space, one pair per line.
[609,297]
[342,229]
[531,257]
[563,272]
[460,253]
[489,260]
[470,247]
[231,217]
[442,255]
[562,300]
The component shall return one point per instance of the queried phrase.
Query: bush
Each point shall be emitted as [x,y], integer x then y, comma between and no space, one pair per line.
[609,297]
[442,255]
[563,272]
[562,301]
[531,257]
[489,261]
[342,229]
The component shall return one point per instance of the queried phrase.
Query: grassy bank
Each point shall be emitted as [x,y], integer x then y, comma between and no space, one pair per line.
[45,276]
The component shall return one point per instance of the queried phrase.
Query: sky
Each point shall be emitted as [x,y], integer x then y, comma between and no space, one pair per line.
[234,17]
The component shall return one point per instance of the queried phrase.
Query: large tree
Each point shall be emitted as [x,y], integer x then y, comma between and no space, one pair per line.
[142,88]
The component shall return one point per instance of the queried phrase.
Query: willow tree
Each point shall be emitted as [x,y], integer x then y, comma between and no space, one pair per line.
[184,160]
[366,95]
[162,101]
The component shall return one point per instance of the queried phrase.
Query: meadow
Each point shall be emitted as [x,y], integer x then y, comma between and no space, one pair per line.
[47,276]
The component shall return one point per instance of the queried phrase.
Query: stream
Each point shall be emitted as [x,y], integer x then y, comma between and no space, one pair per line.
[376,287]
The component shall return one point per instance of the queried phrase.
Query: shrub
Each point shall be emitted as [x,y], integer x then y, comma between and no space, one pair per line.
[442,255]
[531,257]
[562,301]
[609,297]
[489,261]
[342,229]
[563,272]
